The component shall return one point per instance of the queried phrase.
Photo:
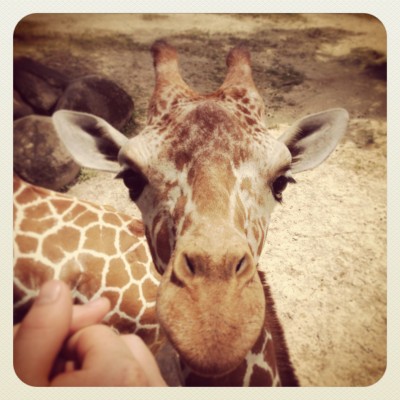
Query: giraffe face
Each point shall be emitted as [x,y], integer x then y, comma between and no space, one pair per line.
[206,176]
[206,197]
[209,171]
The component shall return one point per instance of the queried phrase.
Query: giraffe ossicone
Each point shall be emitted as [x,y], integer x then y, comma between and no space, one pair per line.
[206,175]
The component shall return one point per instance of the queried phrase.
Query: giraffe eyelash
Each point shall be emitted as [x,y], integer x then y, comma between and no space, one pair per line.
[280,184]
[134,181]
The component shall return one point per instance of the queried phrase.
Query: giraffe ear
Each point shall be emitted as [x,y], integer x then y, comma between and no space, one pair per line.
[92,141]
[313,138]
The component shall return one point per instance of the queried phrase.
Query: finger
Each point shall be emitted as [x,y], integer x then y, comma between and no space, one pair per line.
[82,316]
[105,360]
[145,358]
[85,314]
[89,313]
[41,334]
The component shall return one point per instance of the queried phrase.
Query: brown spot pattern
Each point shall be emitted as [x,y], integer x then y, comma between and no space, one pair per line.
[131,303]
[37,226]
[260,377]
[150,290]
[26,244]
[149,316]
[61,205]
[90,281]
[27,196]
[126,241]
[86,218]
[100,239]
[74,213]
[64,240]
[117,276]
[39,211]
[112,219]
[32,274]
[139,255]
[137,269]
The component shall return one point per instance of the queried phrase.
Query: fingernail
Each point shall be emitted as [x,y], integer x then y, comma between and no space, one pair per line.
[101,302]
[49,292]
[97,302]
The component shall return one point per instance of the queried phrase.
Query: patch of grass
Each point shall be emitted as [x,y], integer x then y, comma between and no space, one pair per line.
[131,127]
[84,175]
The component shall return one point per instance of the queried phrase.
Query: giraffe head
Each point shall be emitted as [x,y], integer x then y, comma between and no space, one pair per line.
[206,175]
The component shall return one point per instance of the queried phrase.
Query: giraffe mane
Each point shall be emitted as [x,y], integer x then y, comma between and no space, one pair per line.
[285,366]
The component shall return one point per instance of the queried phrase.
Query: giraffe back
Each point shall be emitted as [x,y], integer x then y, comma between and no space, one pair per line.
[96,250]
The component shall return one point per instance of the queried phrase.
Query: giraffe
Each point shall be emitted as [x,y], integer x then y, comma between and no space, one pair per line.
[94,249]
[60,237]
[206,175]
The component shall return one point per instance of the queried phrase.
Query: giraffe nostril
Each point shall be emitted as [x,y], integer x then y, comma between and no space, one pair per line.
[245,269]
[190,265]
[240,265]
[232,264]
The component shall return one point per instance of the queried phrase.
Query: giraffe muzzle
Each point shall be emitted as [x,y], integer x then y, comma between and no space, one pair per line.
[212,306]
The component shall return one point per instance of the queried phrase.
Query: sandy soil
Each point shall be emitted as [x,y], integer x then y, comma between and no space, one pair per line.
[326,252]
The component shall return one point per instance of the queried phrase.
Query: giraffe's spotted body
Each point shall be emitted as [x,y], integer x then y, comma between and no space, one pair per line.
[94,249]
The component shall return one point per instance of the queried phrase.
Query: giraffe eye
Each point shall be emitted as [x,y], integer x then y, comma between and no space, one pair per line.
[279,185]
[134,181]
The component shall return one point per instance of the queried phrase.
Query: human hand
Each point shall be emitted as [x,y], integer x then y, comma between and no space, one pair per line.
[58,344]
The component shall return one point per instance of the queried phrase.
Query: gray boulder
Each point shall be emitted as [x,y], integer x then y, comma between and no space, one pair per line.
[39,155]
[21,109]
[99,96]
[38,85]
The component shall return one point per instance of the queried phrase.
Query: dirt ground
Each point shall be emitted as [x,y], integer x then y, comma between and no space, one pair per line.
[326,252]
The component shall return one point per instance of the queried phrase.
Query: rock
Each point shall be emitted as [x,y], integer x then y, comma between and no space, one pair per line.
[21,109]
[39,155]
[99,96]
[37,84]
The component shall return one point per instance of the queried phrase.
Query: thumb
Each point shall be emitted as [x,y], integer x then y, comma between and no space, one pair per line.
[41,334]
